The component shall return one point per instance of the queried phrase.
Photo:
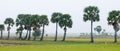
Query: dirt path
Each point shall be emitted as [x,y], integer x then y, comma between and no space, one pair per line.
[12,44]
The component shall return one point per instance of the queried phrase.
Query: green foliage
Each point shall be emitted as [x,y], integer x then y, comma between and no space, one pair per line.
[114,16]
[56,17]
[98,29]
[18,30]
[35,20]
[114,19]
[43,20]
[27,21]
[2,27]
[19,20]
[65,21]
[9,21]
[91,13]
[37,33]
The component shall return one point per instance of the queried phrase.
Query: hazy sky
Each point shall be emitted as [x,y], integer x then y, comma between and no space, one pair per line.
[11,8]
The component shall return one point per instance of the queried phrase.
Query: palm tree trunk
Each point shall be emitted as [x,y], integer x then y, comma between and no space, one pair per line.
[8,34]
[34,35]
[64,34]
[34,38]
[1,34]
[41,39]
[26,35]
[92,40]
[56,32]
[20,37]
[115,38]
[29,35]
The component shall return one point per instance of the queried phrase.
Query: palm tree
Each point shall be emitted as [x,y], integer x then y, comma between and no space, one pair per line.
[55,19]
[18,31]
[19,22]
[24,22]
[1,29]
[98,29]
[65,21]
[28,24]
[35,25]
[43,21]
[91,13]
[113,19]
[9,22]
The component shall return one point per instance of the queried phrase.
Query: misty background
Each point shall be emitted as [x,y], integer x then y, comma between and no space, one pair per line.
[11,8]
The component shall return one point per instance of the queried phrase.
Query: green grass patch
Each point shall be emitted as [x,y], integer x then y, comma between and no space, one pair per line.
[72,44]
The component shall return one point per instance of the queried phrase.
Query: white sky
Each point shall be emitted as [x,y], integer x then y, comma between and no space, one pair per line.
[11,8]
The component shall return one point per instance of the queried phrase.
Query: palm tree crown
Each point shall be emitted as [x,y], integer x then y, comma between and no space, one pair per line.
[9,21]
[55,17]
[65,20]
[2,27]
[91,14]
[43,20]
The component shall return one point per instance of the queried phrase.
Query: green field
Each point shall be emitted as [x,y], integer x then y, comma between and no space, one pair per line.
[73,44]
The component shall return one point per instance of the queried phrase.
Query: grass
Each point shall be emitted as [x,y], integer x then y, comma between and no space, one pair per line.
[71,44]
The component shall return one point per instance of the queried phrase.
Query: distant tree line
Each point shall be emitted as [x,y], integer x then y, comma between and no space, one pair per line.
[36,22]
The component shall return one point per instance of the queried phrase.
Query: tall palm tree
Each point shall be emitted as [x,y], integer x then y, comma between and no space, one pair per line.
[18,31]
[19,22]
[28,24]
[55,19]
[35,25]
[113,19]
[9,22]
[91,13]
[2,27]
[65,21]
[25,21]
[43,21]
